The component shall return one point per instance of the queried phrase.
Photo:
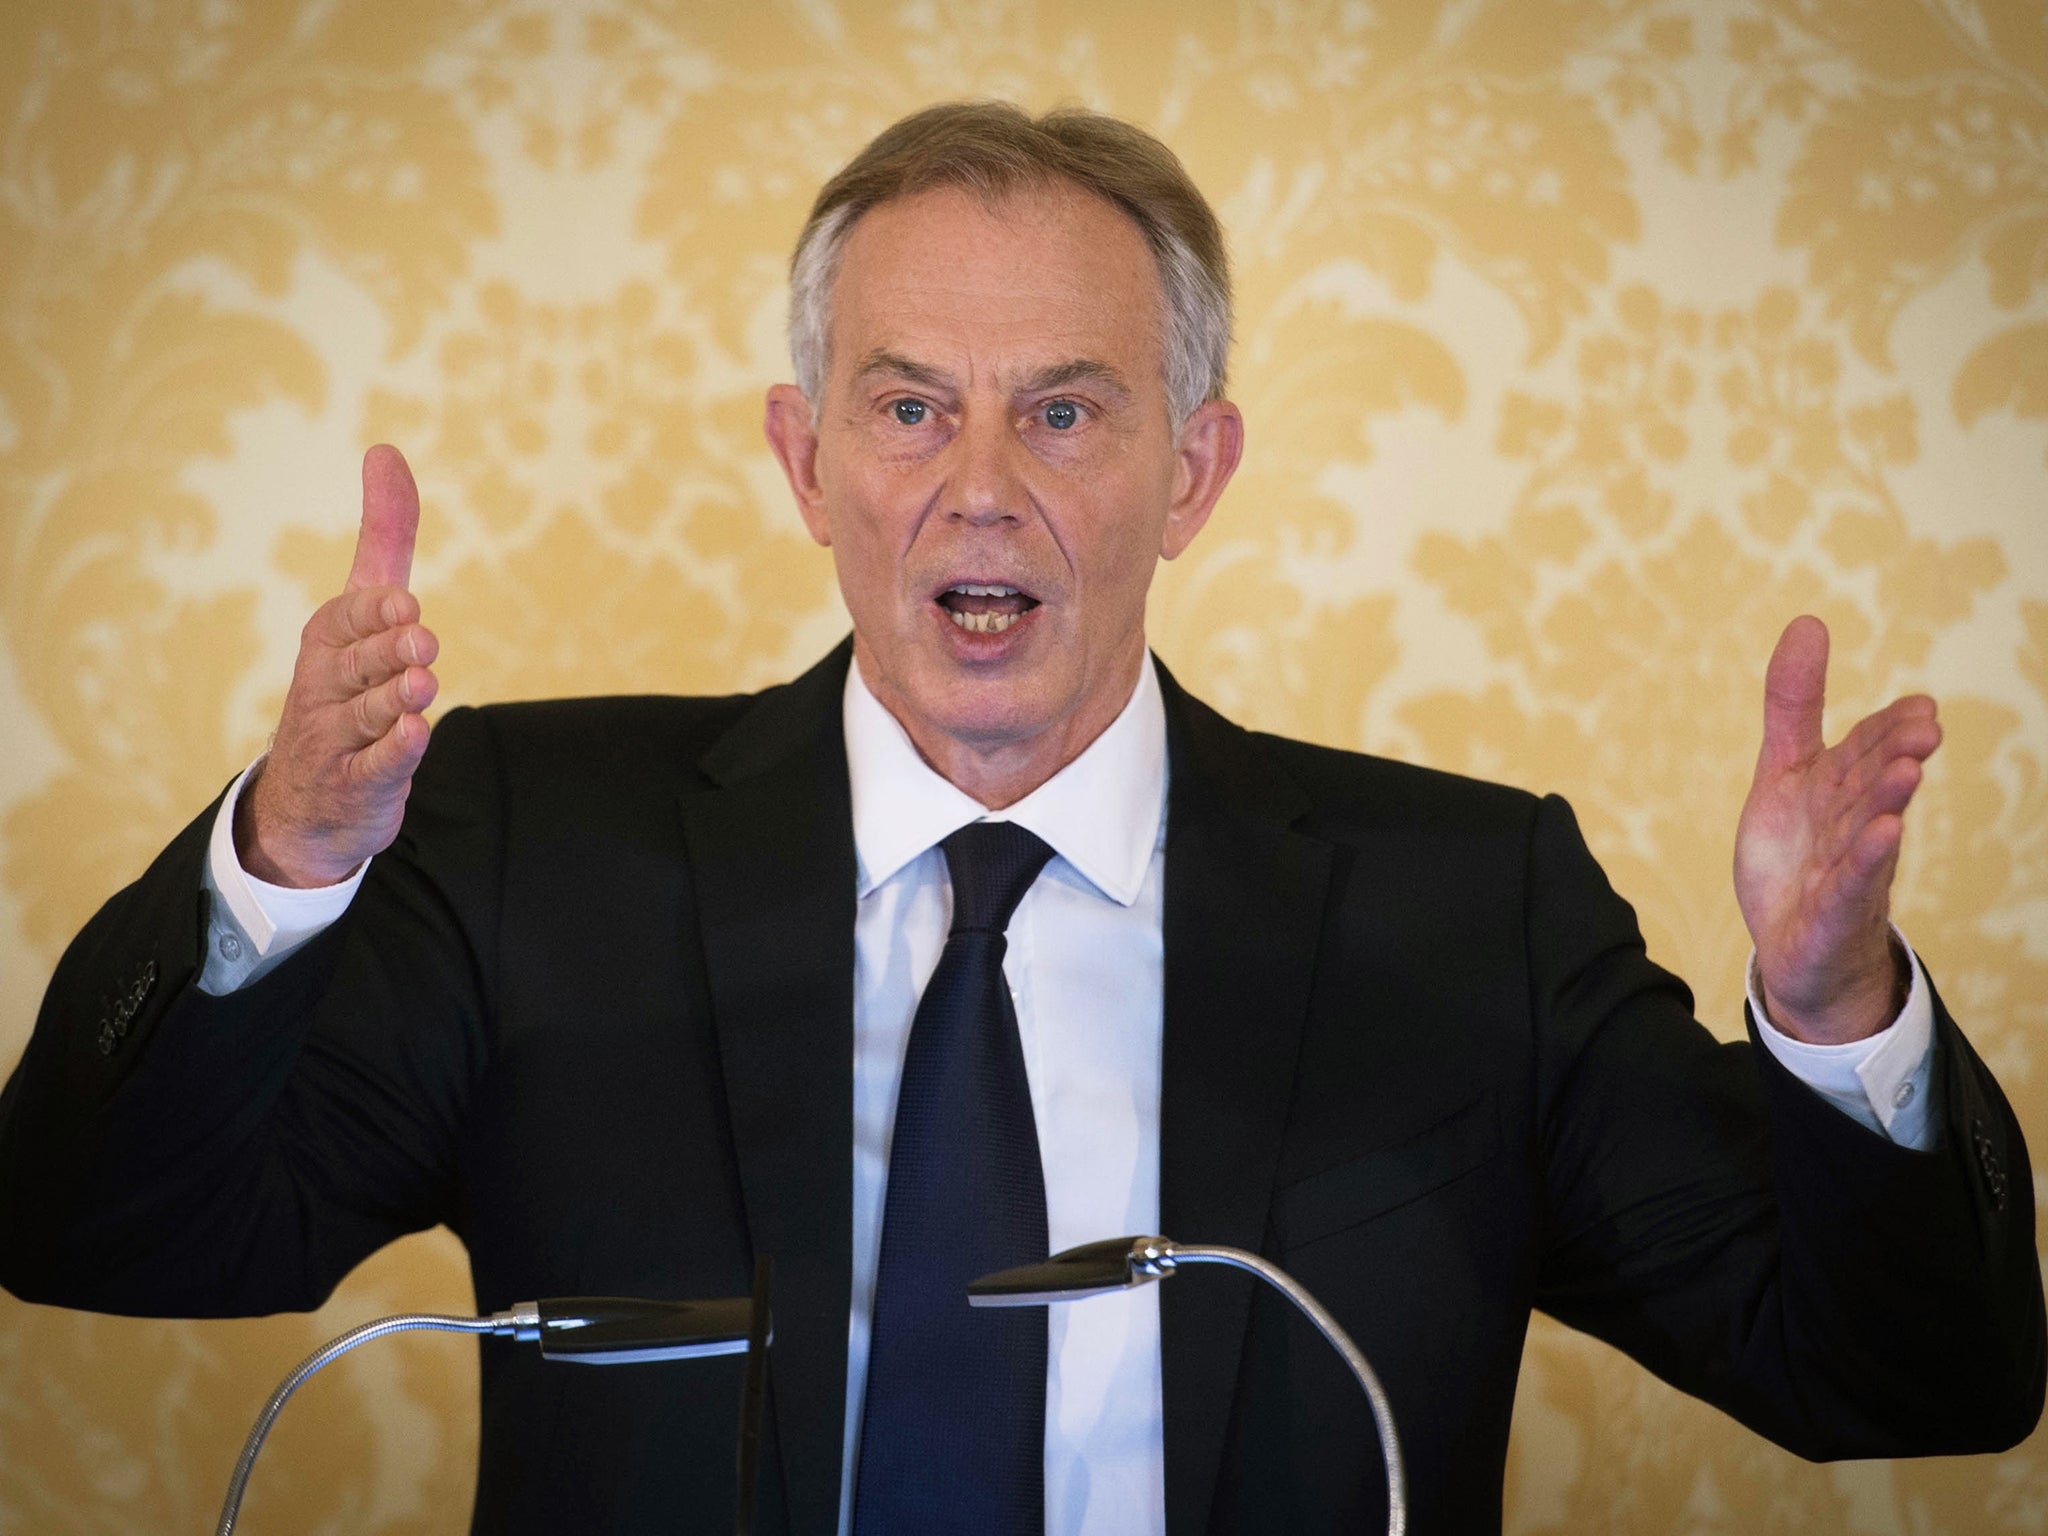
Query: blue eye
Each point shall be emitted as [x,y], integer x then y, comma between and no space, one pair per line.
[1062,414]
[910,412]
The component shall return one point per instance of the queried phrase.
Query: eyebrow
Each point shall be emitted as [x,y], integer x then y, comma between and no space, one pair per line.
[1079,370]
[896,365]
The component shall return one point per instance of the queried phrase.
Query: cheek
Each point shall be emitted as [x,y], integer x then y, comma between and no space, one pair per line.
[854,478]
[881,502]
[870,547]
[1127,538]
[1114,583]
[868,557]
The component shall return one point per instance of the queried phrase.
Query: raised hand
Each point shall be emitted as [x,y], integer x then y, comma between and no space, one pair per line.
[332,791]
[1818,844]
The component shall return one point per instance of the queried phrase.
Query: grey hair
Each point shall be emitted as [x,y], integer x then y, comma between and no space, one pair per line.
[812,271]
[994,149]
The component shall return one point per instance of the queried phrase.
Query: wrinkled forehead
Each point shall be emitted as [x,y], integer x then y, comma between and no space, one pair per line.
[1032,278]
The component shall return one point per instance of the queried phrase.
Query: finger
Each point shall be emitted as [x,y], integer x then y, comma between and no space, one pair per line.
[1915,714]
[373,712]
[1913,738]
[1865,877]
[1885,798]
[376,659]
[1795,689]
[392,757]
[391,521]
[1844,885]
[356,615]
[1856,893]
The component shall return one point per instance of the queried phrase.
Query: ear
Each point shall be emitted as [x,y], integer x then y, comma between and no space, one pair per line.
[1211,443]
[795,442]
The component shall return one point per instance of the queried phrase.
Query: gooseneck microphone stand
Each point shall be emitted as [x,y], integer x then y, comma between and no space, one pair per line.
[1124,1263]
[584,1330]
[408,1322]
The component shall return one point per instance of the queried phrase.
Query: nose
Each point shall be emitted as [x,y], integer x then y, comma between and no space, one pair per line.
[984,486]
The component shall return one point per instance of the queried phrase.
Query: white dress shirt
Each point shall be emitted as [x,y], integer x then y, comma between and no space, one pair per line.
[1086,966]
[1086,970]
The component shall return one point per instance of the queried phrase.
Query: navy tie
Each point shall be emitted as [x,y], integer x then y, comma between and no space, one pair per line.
[953,1436]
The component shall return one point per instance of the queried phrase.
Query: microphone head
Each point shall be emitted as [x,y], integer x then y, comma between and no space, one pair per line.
[1093,1269]
[627,1330]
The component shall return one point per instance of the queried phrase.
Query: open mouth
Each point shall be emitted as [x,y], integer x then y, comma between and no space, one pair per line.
[983,608]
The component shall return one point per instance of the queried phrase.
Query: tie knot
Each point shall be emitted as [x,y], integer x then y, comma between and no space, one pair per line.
[992,864]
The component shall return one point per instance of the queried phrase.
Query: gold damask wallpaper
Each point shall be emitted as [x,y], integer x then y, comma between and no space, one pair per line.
[1581,342]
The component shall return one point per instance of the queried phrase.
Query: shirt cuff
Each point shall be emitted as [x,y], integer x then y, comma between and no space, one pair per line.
[256,924]
[1881,1082]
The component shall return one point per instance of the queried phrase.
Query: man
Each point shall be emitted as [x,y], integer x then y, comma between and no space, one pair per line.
[627,991]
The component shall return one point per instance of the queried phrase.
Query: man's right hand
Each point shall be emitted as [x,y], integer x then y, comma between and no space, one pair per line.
[332,791]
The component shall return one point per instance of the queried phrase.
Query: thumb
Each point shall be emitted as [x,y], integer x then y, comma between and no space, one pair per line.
[1795,689]
[391,521]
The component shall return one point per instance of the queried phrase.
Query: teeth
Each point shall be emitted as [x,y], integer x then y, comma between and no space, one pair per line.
[975,589]
[984,623]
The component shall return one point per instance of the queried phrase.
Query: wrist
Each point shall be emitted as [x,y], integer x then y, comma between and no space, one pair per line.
[1854,1006]
[261,851]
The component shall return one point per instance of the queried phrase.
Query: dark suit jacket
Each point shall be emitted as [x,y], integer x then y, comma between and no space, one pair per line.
[593,1010]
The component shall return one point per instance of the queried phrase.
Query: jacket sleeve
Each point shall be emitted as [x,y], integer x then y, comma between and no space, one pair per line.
[1719,1221]
[165,1152]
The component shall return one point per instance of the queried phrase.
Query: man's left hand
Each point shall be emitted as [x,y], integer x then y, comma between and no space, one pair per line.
[1818,844]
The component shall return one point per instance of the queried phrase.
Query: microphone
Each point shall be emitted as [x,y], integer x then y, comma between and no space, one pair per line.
[1125,1263]
[625,1330]
[581,1330]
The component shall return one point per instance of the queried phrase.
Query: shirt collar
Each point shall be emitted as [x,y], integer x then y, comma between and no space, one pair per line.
[1101,813]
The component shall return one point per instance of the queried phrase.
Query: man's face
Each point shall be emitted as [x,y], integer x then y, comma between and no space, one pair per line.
[994,469]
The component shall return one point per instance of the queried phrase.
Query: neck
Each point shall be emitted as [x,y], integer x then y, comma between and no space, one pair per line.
[999,772]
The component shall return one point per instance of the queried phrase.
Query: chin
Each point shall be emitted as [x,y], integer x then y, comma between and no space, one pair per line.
[987,714]
[1008,694]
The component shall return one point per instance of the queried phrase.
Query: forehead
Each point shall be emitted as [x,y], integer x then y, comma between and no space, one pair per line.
[1040,277]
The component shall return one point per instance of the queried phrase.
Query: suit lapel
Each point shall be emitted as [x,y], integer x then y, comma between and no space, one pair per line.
[1244,906]
[771,847]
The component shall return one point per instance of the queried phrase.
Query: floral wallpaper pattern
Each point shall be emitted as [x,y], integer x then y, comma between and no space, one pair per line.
[1581,343]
